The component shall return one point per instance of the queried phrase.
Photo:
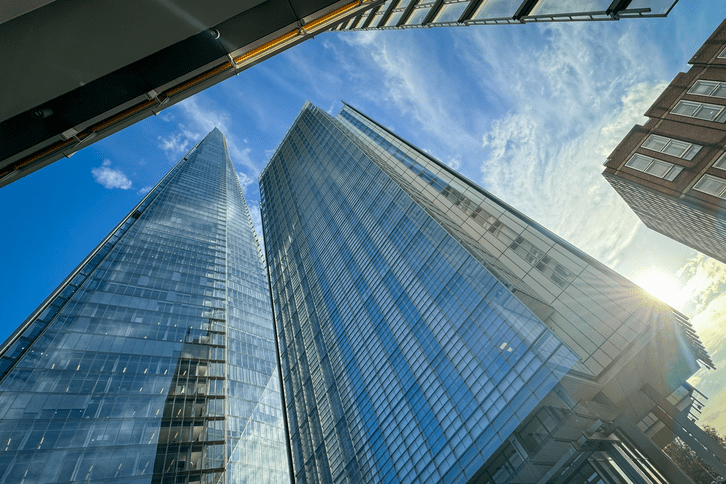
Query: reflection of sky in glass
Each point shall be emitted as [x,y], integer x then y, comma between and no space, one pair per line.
[497,9]
[551,7]
[451,12]
[656,6]
[142,332]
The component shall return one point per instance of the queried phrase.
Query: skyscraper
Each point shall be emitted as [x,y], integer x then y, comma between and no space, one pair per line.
[155,360]
[672,170]
[138,61]
[429,332]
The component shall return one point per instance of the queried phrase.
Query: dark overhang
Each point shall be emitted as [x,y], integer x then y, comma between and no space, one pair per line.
[76,71]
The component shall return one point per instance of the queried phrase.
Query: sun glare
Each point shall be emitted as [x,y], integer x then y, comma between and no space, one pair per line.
[662,285]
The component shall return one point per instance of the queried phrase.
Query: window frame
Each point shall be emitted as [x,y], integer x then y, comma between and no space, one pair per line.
[707,177]
[720,163]
[719,118]
[688,154]
[722,55]
[670,175]
[716,86]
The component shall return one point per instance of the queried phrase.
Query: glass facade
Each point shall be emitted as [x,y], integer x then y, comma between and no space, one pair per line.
[429,332]
[404,359]
[406,14]
[155,361]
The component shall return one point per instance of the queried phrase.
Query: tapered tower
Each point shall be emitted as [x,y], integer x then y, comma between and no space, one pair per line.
[155,360]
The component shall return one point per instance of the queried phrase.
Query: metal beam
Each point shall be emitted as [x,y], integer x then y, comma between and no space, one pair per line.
[524,9]
[697,439]
[433,12]
[470,10]
[617,6]
[662,462]
[388,12]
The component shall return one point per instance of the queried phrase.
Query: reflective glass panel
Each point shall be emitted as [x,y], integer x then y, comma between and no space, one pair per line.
[491,9]
[451,12]
[551,7]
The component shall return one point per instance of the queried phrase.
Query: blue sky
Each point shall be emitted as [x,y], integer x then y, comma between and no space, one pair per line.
[529,112]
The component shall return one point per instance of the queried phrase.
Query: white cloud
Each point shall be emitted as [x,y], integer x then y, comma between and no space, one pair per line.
[176,143]
[557,180]
[200,119]
[145,190]
[576,99]
[110,178]
[705,283]
[454,162]
[244,180]
[406,73]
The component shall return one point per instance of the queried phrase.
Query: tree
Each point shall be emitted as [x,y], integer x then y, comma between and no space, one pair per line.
[692,465]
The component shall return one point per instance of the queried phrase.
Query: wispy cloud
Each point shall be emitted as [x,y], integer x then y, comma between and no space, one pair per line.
[198,119]
[704,284]
[535,123]
[704,281]
[404,73]
[145,190]
[244,181]
[109,177]
[176,143]
[566,112]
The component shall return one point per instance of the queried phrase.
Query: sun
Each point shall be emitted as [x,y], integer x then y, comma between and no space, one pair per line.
[662,285]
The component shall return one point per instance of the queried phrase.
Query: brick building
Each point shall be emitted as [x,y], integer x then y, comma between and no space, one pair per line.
[672,170]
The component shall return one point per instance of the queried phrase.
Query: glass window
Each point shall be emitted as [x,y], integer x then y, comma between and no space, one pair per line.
[722,55]
[451,12]
[555,7]
[708,112]
[708,88]
[497,9]
[418,16]
[712,185]
[654,167]
[721,162]
[673,147]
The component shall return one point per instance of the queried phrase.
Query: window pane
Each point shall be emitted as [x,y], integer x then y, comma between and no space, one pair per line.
[639,162]
[497,9]
[659,168]
[711,185]
[692,152]
[451,12]
[394,18]
[721,162]
[657,7]
[720,91]
[703,88]
[708,112]
[552,7]
[686,108]
[655,142]
[418,16]
[674,173]
[722,55]
[676,148]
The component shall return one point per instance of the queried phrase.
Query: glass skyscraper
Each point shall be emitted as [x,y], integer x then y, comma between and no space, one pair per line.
[429,332]
[155,360]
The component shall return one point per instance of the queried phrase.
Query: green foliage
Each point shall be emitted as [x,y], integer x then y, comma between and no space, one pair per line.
[692,465]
